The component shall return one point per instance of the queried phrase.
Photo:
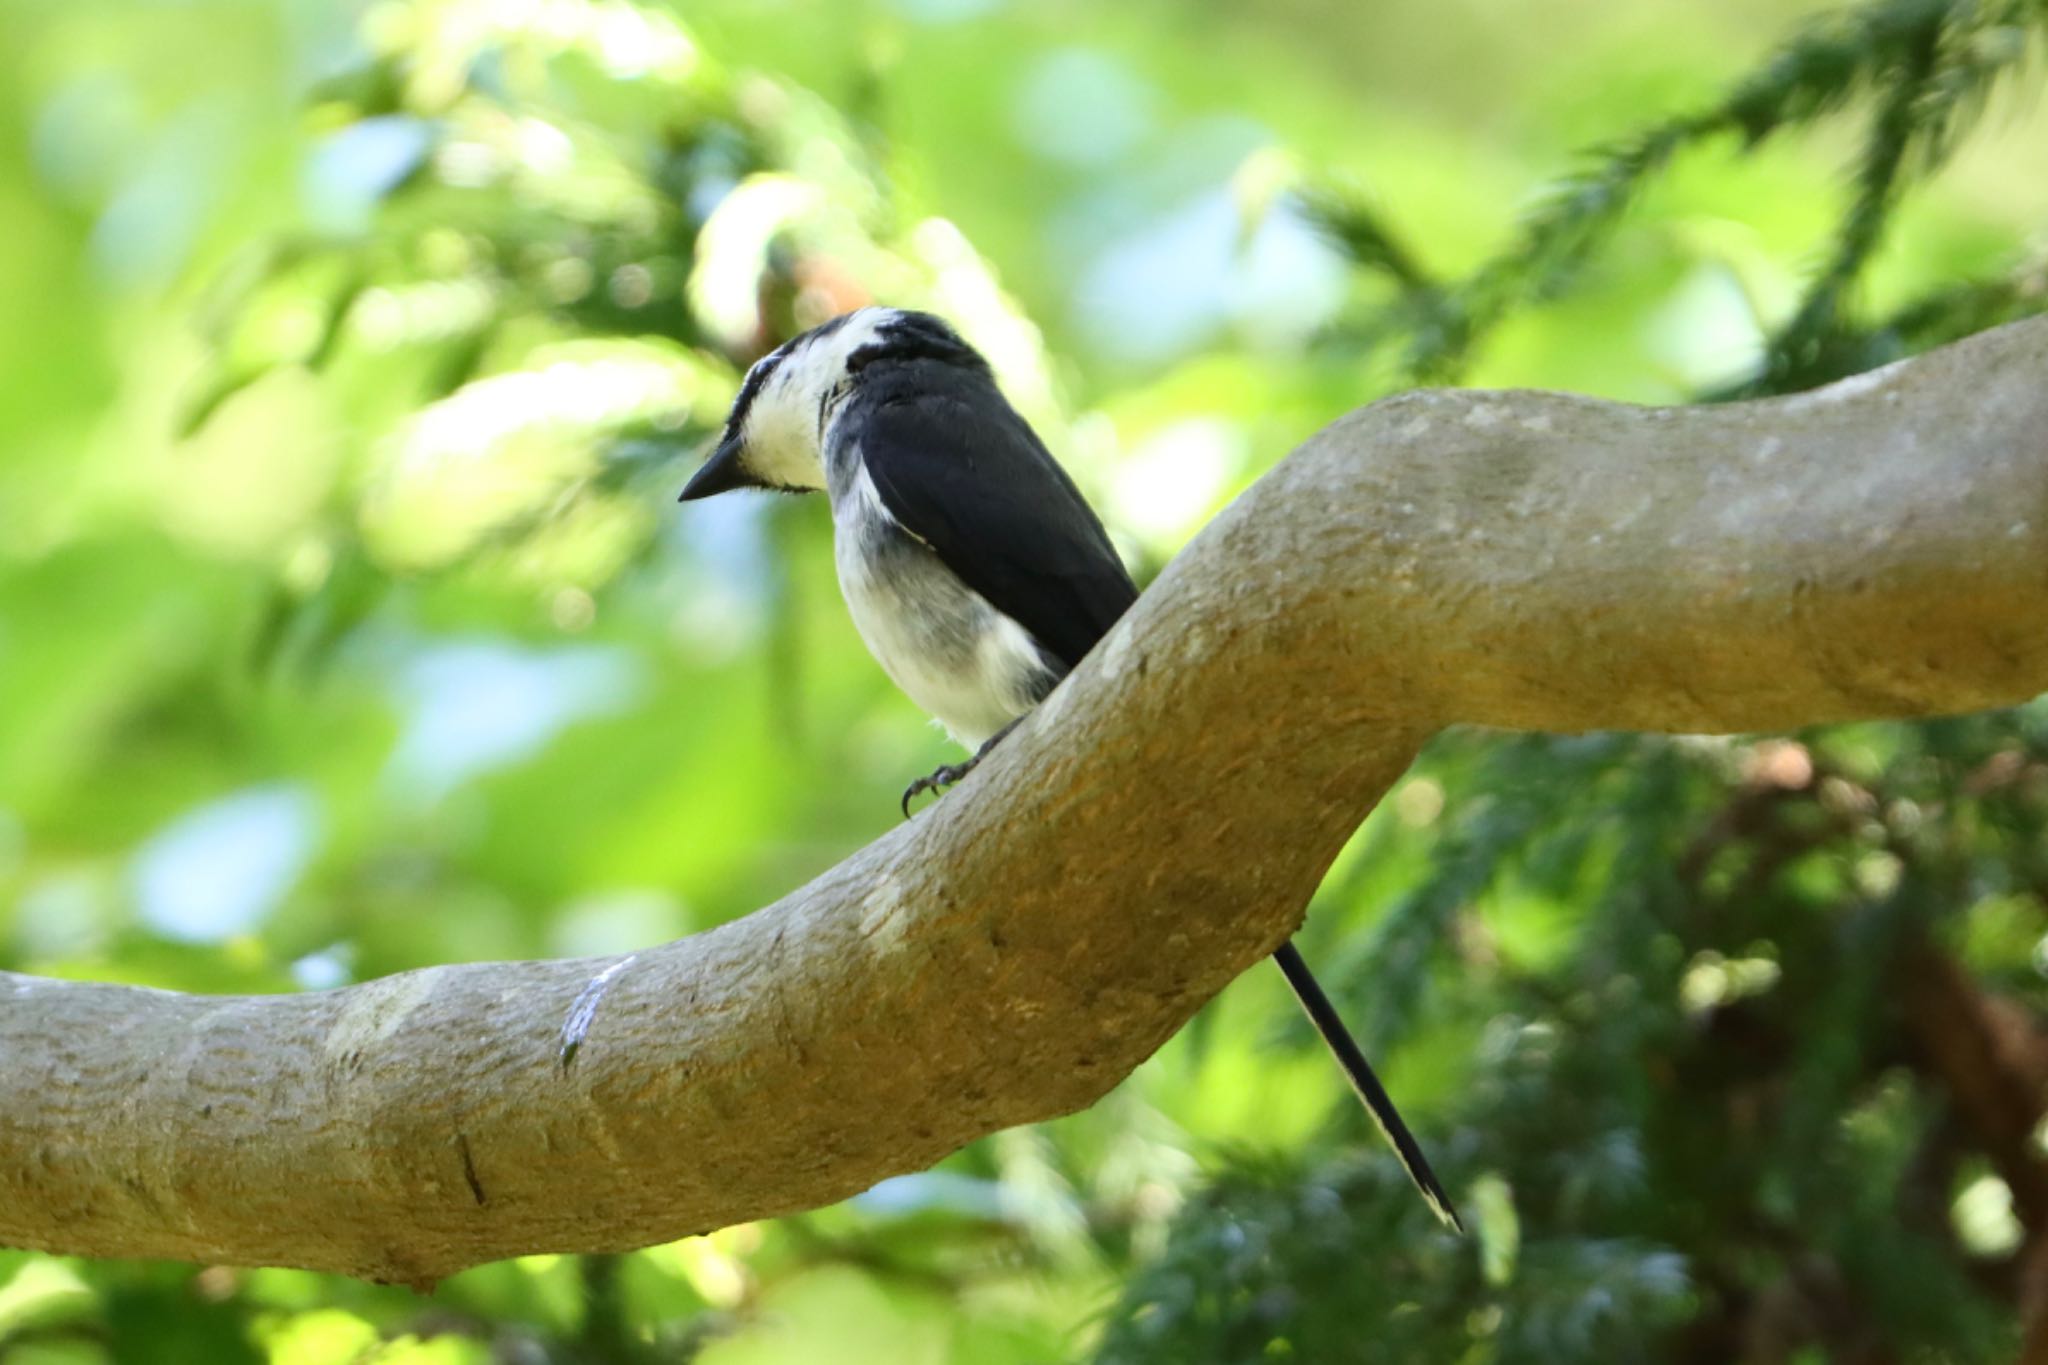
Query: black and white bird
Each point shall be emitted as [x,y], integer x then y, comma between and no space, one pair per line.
[975,571]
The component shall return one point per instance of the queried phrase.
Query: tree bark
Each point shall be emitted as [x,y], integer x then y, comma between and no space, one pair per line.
[1877,548]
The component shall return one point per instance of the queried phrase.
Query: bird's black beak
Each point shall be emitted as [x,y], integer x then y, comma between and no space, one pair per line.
[723,472]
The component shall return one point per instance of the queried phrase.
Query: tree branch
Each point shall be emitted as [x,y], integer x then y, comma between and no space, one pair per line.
[1878,548]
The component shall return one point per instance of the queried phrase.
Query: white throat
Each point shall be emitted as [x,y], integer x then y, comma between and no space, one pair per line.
[786,423]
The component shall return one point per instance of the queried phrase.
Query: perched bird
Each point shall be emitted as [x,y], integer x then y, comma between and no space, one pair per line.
[975,571]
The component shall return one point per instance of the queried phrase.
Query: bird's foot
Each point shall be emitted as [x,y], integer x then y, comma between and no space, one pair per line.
[938,779]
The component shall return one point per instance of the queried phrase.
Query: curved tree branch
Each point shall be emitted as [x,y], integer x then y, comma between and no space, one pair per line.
[1878,548]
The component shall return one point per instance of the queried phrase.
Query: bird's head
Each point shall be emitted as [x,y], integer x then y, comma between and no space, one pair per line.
[775,434]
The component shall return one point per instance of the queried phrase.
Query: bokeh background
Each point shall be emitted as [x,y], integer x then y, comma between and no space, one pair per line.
[352,356]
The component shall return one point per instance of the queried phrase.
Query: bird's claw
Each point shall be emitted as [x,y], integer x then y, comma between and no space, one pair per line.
[938,779]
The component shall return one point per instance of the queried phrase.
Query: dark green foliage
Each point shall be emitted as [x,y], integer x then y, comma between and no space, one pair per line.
[1740,1102]
[1281,1263]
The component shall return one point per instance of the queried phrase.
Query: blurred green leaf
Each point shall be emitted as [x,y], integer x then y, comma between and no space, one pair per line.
[354,357]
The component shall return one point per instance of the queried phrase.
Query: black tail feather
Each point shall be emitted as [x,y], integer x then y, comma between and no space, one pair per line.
[1359,1072]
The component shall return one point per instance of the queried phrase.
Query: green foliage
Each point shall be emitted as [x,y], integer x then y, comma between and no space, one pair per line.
[1255,1260]
[346,626]
[1928,66]
[1735,1074]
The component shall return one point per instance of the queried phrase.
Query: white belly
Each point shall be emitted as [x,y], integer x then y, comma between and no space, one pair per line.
[967,665]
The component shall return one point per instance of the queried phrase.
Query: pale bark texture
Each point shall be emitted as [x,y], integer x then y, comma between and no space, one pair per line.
[1878,548]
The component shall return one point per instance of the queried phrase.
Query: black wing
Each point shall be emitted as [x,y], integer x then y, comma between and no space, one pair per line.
[998,510]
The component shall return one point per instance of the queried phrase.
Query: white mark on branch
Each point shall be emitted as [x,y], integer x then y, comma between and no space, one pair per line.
[583,1009]
[373,1012]
[1118,652]
[879,907]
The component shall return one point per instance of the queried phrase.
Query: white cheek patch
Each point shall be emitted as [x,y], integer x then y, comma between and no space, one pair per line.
[780,449]
[785,423]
